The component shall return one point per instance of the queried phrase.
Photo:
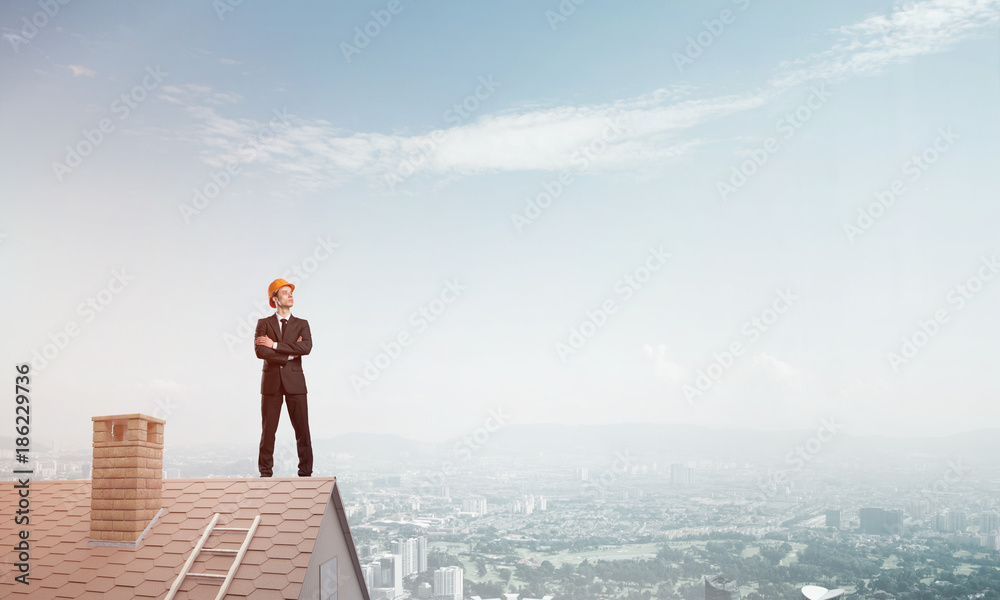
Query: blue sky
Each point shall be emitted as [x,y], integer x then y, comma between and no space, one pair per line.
[631,118]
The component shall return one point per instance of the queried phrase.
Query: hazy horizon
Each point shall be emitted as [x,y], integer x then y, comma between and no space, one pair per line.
[732,214]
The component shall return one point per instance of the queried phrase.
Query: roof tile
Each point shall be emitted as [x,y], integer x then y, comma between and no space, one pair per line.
[131,578]
[278,551]
[71,590]
[68,567]
[277,566]
[161,574]
[119,593]
[241,587]
[101,584]
[301,502]
[290,539]
[254,558]
[271,581]
[150,589]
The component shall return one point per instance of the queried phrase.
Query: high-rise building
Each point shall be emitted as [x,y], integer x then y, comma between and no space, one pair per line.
[871,520]
[368,572]
[681,475]
[989,522]
[879,521]
[475,505]
[957,521]
[448,583]
[833,518]
[391,575]
[524,505]
[413,554]
[894,521]
[407,551]
[421,554]
[383,576]
[718,587]
[918,509]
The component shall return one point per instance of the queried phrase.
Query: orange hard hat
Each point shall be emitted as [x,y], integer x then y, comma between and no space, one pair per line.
[274,287]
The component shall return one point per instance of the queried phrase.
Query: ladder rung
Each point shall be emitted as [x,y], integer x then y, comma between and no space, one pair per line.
[200,547]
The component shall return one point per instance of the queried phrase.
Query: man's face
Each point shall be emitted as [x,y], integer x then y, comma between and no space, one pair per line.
[283,297]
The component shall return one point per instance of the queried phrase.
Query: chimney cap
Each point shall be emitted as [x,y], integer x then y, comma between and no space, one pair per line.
[129,416]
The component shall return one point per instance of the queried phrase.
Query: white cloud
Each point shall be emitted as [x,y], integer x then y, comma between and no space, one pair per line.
[81,71]
[193,94]
[909,30]
[648,129]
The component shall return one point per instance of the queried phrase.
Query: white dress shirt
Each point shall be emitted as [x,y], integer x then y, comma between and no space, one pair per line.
[274,346]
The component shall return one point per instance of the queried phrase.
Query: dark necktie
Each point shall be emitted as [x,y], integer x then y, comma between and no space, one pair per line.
[283,321]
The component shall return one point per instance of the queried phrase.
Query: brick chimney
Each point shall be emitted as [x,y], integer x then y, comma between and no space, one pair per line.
[127,478]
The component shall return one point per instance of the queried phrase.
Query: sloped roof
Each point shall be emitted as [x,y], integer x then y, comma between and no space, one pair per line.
[64,565]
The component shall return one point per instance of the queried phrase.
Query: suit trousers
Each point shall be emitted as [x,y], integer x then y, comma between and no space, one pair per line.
[270,413]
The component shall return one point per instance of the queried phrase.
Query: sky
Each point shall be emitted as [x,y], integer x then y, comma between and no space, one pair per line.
[732,214]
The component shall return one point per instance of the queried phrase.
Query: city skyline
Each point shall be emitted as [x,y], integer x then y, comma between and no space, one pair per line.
[734,215]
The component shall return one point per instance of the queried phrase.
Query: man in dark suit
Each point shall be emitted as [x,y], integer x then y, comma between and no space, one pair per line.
[283,377]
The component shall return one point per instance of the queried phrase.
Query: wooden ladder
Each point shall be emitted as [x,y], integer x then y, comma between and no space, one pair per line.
[200,547]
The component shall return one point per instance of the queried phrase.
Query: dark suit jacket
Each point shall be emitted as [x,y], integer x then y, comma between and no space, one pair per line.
[277,367]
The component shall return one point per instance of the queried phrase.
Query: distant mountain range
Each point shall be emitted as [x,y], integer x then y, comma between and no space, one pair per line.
[653,442]
[675,442]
